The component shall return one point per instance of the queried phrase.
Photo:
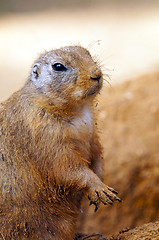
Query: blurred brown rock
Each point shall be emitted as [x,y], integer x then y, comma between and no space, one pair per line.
[129,123]
[148,231]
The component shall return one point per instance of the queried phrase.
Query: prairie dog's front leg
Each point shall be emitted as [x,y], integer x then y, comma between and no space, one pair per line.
[80,177]
[97,191]
[96,157]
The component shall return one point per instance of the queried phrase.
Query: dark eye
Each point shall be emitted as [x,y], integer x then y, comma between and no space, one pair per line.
[59,67]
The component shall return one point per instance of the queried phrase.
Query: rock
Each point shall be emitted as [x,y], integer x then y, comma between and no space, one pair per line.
[148,231]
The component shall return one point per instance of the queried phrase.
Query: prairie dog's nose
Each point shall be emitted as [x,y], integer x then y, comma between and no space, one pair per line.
[96,74]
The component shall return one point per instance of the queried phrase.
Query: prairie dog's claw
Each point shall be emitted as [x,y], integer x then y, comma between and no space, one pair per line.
[104,194]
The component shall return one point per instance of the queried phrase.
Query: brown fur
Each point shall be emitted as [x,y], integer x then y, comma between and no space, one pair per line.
[49,150]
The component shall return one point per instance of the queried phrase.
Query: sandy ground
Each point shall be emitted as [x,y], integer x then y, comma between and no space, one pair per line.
[128,46]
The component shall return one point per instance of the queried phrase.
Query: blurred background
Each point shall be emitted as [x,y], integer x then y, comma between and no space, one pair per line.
[124,34]
[124,37]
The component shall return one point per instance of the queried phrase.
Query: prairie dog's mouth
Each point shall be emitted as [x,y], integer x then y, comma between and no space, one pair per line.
[93,90]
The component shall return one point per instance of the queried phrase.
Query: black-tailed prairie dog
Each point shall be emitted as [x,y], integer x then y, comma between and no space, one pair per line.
[50,155]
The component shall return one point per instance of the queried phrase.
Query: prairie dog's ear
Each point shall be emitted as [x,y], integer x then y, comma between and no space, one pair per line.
[36,70]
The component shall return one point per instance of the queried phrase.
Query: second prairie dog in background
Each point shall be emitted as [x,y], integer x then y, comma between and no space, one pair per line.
[50,155]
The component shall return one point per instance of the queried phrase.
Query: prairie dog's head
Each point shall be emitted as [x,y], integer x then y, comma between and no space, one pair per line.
[67,74]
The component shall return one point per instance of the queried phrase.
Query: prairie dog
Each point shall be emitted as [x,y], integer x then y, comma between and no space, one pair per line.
[50,155]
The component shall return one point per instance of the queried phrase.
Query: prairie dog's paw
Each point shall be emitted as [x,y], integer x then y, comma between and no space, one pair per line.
[102,193]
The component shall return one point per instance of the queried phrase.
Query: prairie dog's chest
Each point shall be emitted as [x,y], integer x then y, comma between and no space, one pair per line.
[83,121]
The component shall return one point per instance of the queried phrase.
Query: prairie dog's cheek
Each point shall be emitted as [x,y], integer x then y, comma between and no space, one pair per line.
[78,93]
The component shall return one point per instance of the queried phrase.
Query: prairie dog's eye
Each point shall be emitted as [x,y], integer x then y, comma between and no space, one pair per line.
[59,67]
